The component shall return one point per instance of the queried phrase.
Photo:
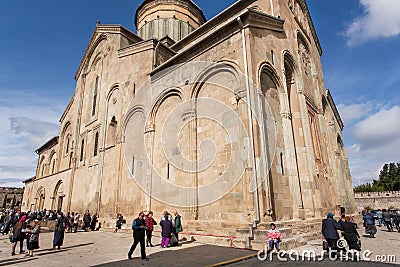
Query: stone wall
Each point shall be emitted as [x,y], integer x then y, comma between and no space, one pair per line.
[8,194]
[378,200]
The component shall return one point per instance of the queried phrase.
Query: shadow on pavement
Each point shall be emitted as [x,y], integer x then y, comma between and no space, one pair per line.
[202,255]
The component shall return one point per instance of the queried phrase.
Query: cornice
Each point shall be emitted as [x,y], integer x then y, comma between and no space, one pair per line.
[335,111]
[306,11]
[104,29]
[71,101]
[222,17]
[49,144]
[250,19]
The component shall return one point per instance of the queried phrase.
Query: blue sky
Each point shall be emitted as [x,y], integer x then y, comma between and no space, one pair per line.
[43,42]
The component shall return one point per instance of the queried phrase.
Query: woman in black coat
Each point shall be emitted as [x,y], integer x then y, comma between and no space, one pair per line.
[350,234]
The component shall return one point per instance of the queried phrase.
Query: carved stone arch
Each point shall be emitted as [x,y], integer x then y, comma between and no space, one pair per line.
[174,91]
[268,69]
[58,195]
[51,161]
[289,60]
[39,198]
[210,71]
[115,87]
[289,67]
[129,114]
[42,166]
[91,49]
[99,56]
[302,40]
[65,128]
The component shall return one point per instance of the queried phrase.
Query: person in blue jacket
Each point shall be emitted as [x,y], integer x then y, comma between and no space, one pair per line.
[139,232]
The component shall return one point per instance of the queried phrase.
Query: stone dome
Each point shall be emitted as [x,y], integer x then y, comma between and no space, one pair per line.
[173,18]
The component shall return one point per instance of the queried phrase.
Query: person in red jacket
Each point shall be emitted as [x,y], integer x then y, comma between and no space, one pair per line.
[150,222]
[274,238]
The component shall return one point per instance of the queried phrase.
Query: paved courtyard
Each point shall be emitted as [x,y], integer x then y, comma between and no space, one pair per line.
[110,250]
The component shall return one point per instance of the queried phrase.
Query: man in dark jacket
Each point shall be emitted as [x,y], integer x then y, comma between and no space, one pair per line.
[386,216]
[139,232]
[330,229]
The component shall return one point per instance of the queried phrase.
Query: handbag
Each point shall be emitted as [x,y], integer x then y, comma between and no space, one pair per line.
[11,237]
[173,240]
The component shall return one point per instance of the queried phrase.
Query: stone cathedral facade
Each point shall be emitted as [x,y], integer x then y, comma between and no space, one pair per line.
[112,154]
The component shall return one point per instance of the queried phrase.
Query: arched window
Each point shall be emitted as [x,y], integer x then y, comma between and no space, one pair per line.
[96,144]
[67,146]
[112,132]
[82,149]
[95,96]
[53,167]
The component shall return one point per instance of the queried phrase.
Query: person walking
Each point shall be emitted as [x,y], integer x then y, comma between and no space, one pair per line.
[177,226]
[166,231]
[379,215]
[330,229]
[93,222]
[118,223]
[350,234]
[59,231]
[387,218]
[139,228]
[369,223]
[76,222]
[33,237]
[86,221]
[18,230]
[150,222]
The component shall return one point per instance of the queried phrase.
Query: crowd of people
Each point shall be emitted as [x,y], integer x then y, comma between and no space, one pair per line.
[348,228]
[21,226]
[143,227]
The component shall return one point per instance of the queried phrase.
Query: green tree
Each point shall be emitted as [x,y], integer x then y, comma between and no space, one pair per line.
[389,180]
[5,202]
[13,202]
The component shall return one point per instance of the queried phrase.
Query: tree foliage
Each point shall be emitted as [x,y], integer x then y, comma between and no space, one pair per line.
[389,180]
[5,202]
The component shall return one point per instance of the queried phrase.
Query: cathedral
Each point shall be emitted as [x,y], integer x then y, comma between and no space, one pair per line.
[226,121]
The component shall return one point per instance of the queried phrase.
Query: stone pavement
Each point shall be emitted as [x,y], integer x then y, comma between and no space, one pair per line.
[110,250]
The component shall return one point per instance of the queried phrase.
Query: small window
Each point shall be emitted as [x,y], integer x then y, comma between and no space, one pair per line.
[282,167]
[133,165]
[53,167]
[96,145]
[67,148]
[168,170]
[82,149]
[95,96]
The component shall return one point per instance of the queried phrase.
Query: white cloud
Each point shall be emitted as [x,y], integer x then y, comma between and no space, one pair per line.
[376,141]
[26,122]
[380,19]
[353,112]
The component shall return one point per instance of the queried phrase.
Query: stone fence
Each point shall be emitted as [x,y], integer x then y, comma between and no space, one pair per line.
[378,200]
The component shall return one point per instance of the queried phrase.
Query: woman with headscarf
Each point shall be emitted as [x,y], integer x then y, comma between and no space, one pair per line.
[166,231]
[350,234]
[330,229]
[369,222]
[33,237]
[59,231]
